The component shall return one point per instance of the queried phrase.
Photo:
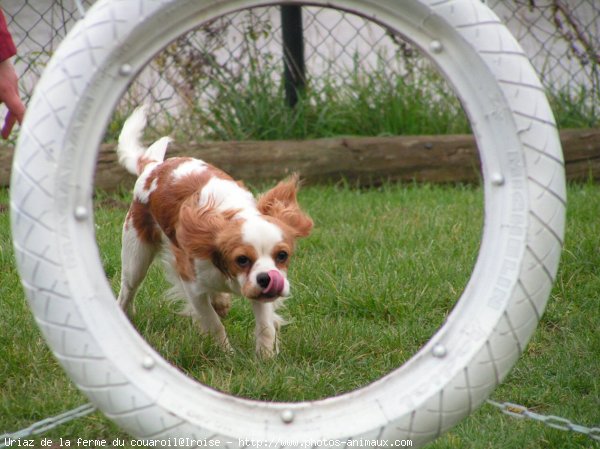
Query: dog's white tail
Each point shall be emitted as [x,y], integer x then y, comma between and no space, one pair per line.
[130,149]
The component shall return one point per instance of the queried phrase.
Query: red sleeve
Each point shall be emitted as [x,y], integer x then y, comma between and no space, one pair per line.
[7,46]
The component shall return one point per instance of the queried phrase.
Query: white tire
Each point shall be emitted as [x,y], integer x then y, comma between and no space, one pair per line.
[58,258]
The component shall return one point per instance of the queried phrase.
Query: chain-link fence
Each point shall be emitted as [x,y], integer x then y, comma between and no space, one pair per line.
[37,28]
[561,37]
[205,69]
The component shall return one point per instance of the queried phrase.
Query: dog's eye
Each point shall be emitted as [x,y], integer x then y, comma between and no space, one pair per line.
[242,261]
[281,257]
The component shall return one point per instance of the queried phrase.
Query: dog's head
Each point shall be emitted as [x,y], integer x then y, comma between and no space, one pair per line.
[252,249]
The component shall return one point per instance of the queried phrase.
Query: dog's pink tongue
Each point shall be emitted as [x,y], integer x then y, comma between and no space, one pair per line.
[276,283]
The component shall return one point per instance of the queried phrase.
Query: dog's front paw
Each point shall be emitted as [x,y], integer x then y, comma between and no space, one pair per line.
[226,346]
[221,339]
[267,343]
[264,352]
[214,330]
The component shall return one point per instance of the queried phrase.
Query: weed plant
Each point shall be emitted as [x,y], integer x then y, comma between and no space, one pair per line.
[248,103]
[245,100]
[373,102]
[575,108]
[361,103]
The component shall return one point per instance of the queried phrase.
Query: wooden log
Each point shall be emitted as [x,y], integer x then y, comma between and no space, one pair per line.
[581,148]
[362,161]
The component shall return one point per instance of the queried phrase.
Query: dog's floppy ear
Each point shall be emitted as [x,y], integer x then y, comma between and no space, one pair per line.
[281,203]
[198,228]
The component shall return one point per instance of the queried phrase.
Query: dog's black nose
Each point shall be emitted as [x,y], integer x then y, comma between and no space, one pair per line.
[263,279]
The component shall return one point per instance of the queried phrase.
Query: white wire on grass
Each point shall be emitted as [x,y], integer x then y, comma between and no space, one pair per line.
[8,439]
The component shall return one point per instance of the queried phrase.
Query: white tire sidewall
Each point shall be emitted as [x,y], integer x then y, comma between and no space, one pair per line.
[59,261]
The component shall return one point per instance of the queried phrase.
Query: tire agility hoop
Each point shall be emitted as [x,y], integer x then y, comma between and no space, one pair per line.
[59,261]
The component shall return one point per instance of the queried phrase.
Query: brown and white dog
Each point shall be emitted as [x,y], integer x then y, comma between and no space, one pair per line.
[214,237]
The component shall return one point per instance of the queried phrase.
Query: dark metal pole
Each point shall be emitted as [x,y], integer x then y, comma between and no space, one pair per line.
[293,52]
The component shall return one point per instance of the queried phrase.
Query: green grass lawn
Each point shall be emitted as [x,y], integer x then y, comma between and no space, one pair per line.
[375,280]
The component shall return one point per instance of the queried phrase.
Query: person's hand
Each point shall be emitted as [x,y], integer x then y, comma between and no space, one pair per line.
[9,95]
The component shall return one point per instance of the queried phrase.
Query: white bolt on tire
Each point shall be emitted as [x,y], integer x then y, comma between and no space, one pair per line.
[123,376]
